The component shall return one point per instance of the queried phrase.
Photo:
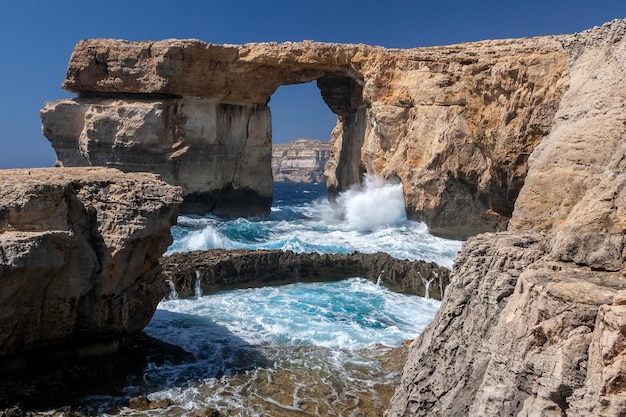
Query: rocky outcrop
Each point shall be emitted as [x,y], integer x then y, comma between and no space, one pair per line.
[218,153]
[216,270]
[455,124]
[532,323]
[79,251]
[301,160]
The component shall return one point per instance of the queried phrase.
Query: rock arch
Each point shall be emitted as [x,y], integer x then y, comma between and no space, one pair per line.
[455,124]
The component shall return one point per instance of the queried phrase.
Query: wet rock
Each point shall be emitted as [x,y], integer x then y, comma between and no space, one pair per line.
[142,403]
[217,270]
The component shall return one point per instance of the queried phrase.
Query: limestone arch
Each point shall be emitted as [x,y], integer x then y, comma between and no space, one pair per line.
[343,94]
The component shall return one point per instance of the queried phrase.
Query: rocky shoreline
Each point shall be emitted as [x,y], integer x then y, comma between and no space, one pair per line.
[525,135]
[49,379]
[217,270]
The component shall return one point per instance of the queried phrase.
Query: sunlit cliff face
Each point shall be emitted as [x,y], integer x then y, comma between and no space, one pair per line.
[456,124]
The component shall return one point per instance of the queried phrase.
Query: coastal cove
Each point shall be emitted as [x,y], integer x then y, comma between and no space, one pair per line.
[158,269]
[257,351]
[325,343]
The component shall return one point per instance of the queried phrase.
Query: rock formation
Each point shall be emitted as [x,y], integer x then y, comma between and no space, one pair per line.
[533,320]
[217,270]
[79,254]
[301,160]
[455,124]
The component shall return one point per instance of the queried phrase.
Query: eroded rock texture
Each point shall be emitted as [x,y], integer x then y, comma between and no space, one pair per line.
[79,251]
[217,270]
[533,321]
[455,124]
[301,160]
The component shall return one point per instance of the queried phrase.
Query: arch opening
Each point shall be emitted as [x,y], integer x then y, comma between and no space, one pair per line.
[343,95]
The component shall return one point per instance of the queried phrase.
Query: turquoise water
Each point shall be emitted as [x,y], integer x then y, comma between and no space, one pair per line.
[368,220]
[327,349]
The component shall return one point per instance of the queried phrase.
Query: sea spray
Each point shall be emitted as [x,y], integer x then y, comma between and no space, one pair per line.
[426,283]
[379,279]
[332,347]
[196,285]
[173,295]
[375,204]
[369,219]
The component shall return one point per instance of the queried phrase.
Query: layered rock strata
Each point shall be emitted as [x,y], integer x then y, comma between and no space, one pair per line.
[301,160]
[532,323]
[455,124]
[79,251]
[217,270]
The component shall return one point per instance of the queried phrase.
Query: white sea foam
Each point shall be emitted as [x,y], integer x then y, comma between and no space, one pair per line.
[350,314]
[373,205]
[293,347]
[368,219]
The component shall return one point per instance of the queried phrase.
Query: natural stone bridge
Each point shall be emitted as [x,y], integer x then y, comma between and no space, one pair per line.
[455,124]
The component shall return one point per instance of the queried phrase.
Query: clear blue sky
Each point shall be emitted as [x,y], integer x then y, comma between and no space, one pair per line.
[37,38]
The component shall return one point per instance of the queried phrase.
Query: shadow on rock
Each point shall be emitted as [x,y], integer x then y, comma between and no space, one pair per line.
[196,349]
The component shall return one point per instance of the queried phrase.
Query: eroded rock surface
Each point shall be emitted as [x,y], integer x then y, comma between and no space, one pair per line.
[301,160]
[79,251]
[455,124]
[217,270]
[532,323]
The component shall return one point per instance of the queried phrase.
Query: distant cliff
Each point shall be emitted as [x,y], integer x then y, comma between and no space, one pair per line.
[301,160]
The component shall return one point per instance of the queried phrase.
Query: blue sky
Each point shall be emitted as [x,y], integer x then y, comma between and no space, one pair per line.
[37,38]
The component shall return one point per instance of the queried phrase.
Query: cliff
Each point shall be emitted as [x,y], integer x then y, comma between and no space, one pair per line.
[455,124]
[301,160]
[532,323]
[79,255]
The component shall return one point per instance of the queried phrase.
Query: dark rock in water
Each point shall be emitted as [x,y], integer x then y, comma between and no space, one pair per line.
[59,382]
[216,270]
[142,403]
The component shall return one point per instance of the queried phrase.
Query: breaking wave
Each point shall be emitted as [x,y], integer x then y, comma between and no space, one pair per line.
[367,219]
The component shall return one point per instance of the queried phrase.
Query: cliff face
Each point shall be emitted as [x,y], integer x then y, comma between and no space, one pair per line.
[301,160]
[532,323]
[218,153]
[455,124]
[79,251]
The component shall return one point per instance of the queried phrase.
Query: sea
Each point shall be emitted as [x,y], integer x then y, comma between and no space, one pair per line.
[305,349]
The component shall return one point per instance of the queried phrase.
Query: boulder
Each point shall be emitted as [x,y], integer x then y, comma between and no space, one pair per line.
[79,251]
